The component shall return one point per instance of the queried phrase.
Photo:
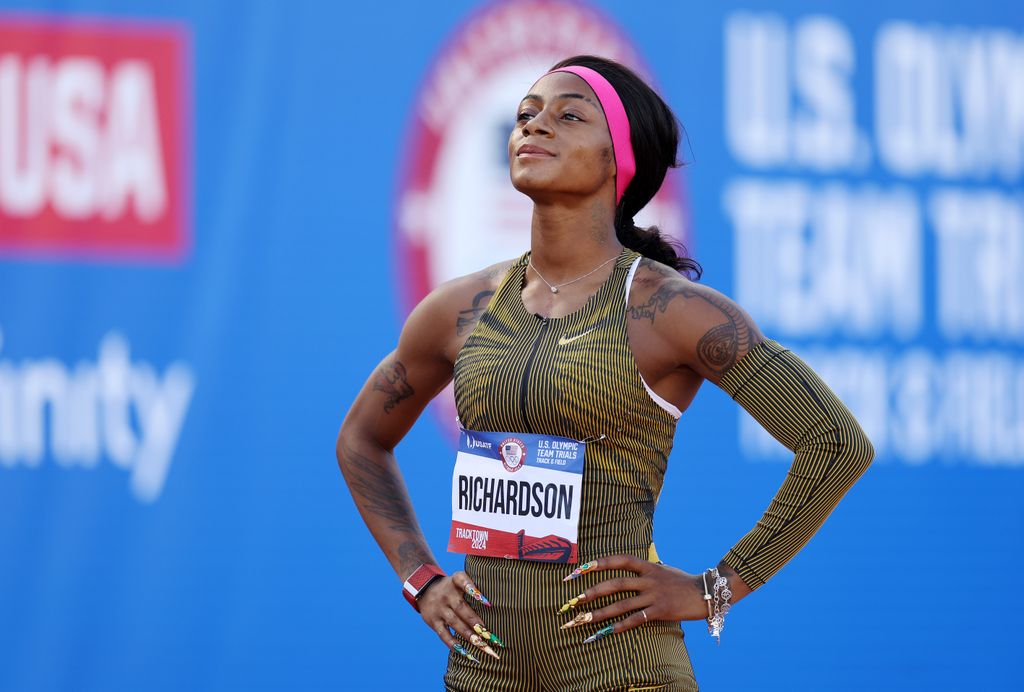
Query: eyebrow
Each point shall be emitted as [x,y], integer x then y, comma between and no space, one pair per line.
[536,97]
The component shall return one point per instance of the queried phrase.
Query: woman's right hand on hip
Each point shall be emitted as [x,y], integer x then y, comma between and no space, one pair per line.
[444,609]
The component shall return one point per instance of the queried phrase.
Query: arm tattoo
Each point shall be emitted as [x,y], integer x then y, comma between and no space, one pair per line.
[411,555]
[719,347]
[468,318]
[376,489]
[391,379]
[658,302]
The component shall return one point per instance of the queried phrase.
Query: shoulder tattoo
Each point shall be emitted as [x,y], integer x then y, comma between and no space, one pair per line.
[468,317]
[719,347]
[391,379]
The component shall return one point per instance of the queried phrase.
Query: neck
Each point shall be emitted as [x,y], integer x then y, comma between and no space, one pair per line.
[567,241]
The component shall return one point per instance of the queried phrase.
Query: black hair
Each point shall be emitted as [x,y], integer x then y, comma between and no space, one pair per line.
[654,131]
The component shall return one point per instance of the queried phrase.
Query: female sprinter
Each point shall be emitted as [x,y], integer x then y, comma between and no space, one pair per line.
[572,365]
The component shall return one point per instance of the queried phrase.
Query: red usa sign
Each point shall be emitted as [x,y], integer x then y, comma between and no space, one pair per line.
[94,139]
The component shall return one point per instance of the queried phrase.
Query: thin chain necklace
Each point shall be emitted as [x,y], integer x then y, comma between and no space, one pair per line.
[554,287]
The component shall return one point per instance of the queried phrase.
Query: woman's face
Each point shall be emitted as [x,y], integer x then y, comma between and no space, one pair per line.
[560,144]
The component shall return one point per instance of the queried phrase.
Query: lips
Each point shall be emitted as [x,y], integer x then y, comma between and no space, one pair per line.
[532,150]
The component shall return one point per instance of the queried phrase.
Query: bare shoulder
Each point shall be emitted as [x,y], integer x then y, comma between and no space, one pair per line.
[470,295]
[460,301]
[707,331]
[450,312]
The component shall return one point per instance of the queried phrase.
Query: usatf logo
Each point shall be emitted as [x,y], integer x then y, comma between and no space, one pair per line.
[456,210]
[513,454]
[93,139]
[474,443]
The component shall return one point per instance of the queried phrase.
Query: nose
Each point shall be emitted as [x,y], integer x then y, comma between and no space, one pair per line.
[537,125]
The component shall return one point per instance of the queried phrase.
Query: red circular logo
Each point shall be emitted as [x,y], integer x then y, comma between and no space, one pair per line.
[513,454]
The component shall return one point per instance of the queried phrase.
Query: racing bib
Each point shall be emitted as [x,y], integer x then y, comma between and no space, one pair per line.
[517,496]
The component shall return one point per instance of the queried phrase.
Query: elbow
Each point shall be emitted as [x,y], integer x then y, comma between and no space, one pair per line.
[859,451]
[339,449]
[850,450]
[866,455]
[355,443]
[342,445]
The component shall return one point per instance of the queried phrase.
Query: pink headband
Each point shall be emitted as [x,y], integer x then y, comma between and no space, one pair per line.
[618,125]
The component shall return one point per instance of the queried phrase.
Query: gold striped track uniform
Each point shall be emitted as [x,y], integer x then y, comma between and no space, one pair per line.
[574,377]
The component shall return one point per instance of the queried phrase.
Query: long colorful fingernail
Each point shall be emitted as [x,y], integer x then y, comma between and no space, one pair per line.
[479,643]
[581,619]
[479,629]
[462,650]
[472,591]
[600,634]
[572,603]
[582,569]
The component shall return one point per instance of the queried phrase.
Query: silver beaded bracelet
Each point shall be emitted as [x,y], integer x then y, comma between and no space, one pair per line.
[717,600]
[722,594]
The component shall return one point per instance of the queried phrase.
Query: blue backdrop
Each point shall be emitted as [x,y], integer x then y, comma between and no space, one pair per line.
[171,513]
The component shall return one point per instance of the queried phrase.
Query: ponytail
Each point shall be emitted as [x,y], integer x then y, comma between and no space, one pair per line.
[651,244]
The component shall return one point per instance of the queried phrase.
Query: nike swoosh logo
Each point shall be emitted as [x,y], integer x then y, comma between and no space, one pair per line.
[563,341]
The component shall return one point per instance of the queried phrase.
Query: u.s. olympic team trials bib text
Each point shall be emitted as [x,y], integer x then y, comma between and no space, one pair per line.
[517,496]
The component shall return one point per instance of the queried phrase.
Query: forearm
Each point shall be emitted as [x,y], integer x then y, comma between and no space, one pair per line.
[376,484]
[831,452]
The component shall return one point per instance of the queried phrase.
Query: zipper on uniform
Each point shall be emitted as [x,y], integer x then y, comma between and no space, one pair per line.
[526,372]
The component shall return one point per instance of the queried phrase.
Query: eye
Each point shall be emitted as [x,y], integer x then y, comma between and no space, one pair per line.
[572,116]
[524,116]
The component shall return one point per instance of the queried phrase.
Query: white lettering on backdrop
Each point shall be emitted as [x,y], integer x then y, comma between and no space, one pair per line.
[81,136]
[861,231]
[112,408]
